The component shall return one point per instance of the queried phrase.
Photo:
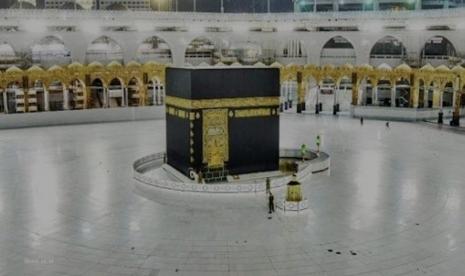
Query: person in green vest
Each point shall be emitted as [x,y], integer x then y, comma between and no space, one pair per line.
[318,143]
[303,151]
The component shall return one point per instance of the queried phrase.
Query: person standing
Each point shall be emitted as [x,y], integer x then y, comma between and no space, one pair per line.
[270,203]
[387,124]
[361,121]
[318,143]
[303,151]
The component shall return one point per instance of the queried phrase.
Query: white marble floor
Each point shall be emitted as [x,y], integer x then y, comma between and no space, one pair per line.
[394,204]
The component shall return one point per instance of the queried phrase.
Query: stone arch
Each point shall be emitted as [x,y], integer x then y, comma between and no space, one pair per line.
[9,57]
[225,54]
[77,94]
[248,52]
[50,51]
[292,51]
[325,95]
[389,50]
[104,50]
[22,5]
[98,95]
[402,92]
[344,93]
[200,50]
[437,50]
[447,96]
[384,88]
[156,95]
[116,95]
[338,50]
[56,99]
[154,48]
[134,92]
[13,89]
[40,95]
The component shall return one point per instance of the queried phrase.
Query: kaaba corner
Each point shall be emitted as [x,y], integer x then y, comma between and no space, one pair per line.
[222,121]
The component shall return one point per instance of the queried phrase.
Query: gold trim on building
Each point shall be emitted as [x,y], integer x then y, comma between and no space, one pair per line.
[222,103]
[256,112]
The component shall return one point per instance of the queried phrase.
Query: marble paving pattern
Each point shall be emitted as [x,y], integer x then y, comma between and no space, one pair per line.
[393,204]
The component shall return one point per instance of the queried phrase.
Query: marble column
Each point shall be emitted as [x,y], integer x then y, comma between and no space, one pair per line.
[5,101]
[125,96]
[105,98]
[426,96]
[154,94]
[355,88]
[318,93]
[360,93]
[300,93]
[393,95]
[46,100]
[414,96]
[336,89]
[374,90]
[436,97]
[286,92]
[65,99]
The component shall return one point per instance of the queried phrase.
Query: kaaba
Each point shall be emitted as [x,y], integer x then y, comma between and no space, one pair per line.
[222,121]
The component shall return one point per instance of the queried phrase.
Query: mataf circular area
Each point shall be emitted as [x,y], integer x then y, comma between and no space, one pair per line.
[392,204]
[151,170]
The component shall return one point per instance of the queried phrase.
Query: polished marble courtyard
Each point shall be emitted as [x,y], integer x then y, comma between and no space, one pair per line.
[392,204]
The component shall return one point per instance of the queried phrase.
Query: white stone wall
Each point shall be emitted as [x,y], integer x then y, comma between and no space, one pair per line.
[89,25]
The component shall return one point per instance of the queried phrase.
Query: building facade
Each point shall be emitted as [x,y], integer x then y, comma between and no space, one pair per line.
[363,5]
[136,5]
[395,59]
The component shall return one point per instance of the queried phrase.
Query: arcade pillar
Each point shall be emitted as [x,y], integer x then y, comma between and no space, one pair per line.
[457,104]
[143,95]
[393,94]
[436,97]
[300,94]
[414,96]
[426,91]
[85,95]
[26,93]
[46,99]
[65,98]
[355,88]
[88,92]
[336,89]
[5,101]
[106,102]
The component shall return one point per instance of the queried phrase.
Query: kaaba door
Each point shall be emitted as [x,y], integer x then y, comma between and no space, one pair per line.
[215,137]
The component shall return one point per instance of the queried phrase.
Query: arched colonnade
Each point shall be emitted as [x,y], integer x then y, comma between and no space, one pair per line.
[78,86]
[425,87]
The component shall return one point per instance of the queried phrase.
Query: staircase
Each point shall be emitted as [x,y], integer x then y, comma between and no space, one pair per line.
[215,175]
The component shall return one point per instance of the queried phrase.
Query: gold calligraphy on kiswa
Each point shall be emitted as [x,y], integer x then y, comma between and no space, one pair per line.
[215,137]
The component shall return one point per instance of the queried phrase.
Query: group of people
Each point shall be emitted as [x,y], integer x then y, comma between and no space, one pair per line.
[303,147]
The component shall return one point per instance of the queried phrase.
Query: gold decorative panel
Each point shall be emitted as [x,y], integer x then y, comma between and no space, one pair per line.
[257,112]
[215,137]
[222,103]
